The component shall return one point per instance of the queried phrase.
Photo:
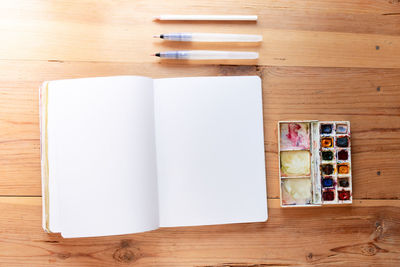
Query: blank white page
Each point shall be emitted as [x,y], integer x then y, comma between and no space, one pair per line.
[102,155]
[210,150]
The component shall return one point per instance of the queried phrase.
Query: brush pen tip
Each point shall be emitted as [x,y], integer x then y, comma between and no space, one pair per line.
[156,18]
[156,36]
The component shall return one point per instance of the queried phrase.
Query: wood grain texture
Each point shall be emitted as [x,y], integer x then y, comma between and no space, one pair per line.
[327,34]
[368,233]
[326,60]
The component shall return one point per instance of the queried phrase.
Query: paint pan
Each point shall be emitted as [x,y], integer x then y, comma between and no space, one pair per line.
[314,163]
[296,191]
[295,136]
[295,163]
[327,155]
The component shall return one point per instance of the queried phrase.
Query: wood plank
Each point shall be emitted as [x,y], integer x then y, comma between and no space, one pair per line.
[368,98]
[321,33]
[288,92]
[366,234]
[368,16]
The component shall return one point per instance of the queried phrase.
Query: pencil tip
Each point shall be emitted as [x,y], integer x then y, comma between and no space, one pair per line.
[156,18]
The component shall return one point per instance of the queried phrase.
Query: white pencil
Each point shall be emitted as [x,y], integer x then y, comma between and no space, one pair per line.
[206,55]
[208,17]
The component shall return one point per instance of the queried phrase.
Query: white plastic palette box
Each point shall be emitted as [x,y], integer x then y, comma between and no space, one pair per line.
[314,163]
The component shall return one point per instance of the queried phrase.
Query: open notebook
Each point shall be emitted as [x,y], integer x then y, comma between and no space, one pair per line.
[128,154]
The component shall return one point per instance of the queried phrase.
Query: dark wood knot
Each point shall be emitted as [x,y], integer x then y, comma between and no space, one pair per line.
[64,255]
[369,249]
[309,256]
[126,253]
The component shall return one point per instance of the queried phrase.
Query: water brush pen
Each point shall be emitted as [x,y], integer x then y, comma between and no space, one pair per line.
[210,37]
[206,55]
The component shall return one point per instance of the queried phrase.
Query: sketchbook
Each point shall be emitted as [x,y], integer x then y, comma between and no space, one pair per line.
[129,154]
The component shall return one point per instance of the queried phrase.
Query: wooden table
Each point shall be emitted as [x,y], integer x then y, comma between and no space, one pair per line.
[325,60]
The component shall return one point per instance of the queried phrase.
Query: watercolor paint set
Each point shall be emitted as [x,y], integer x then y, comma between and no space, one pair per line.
[314,163]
